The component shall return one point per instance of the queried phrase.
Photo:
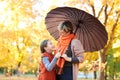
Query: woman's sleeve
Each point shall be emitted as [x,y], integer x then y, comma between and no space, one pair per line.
[49,65]
[78,52]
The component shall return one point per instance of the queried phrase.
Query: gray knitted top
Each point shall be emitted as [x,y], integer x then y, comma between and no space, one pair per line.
[49,65]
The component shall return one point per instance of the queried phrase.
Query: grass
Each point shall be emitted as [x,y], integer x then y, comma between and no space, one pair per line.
[25,78]
[2,77]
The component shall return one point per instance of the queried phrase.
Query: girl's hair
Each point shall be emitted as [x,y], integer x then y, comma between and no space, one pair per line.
[43,45]
[67,26]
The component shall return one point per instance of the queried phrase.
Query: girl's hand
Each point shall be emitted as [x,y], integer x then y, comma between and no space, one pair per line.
[66,57]
[58,54]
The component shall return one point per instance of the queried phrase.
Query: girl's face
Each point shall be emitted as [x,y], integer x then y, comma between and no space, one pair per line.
[50,46]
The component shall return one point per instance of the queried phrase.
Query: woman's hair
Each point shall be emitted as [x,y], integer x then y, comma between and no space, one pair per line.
[43,45]
[67,26]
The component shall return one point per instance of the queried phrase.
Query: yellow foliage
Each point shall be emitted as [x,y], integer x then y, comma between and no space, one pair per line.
[91,56]
[22,31]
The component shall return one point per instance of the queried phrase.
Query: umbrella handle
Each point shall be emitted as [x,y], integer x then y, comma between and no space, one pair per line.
[78,26]
[76,30]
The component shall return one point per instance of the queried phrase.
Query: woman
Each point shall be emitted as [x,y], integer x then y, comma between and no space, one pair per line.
[71,50]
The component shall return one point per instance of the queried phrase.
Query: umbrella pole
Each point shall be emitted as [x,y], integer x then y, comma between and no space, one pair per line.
[78,26]
[76,30]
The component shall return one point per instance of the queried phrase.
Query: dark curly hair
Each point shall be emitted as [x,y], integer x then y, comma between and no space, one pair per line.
[67,26]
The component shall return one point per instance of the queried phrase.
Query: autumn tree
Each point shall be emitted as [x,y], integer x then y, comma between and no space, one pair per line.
[22,30]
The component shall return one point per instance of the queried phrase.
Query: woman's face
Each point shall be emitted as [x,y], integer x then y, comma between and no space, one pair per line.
[62,32]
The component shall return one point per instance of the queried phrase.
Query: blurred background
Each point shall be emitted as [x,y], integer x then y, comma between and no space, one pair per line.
[22,28]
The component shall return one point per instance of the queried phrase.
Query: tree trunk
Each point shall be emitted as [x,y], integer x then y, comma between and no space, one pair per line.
[18,72]
[106,76]
[102,59]
[95,75]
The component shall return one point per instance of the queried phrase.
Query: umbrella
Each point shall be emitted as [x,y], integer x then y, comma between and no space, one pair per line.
[88,29]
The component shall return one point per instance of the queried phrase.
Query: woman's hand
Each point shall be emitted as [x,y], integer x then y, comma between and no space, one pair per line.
[66,57]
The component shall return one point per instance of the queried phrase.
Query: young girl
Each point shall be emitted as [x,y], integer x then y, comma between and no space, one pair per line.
[48,62]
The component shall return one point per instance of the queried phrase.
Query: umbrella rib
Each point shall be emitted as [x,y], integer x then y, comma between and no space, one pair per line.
[93,40]
[84,38]
[86,29]
[55,34]
[100,39]
[94,29]
[87,32]
[58,12]
[57,16]
[54,21]
[102,31]
[80,36]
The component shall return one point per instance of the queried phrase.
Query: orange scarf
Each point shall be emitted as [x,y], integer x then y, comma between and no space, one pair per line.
[62,45]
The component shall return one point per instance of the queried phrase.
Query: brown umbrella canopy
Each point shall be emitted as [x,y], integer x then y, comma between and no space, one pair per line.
[88,29]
